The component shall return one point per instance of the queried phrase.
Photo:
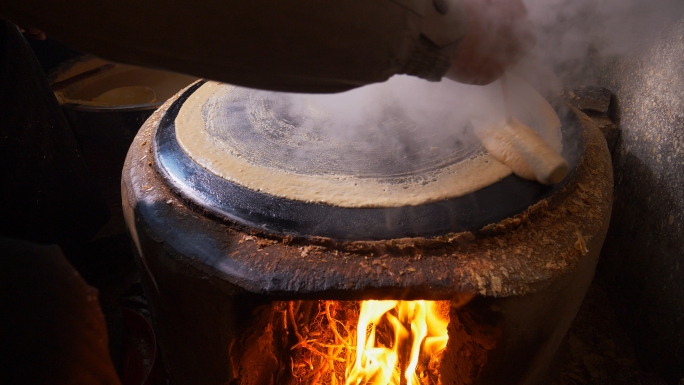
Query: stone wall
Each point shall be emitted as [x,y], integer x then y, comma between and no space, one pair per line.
[643,257]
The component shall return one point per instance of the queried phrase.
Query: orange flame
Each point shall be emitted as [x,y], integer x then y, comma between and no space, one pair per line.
[418,328]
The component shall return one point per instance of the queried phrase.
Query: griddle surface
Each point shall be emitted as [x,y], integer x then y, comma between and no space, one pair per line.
[228,201]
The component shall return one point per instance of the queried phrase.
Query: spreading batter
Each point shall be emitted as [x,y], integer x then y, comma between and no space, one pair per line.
[203,129]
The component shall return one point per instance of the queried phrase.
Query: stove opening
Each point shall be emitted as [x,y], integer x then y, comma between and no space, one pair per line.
[385,342]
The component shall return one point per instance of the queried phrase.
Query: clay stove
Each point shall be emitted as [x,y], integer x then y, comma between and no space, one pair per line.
[242,286]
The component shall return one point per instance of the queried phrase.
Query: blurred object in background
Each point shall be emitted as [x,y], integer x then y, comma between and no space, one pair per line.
[104,128]
[48,194]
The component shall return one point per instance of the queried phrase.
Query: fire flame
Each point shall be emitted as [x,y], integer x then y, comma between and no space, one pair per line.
[419,332]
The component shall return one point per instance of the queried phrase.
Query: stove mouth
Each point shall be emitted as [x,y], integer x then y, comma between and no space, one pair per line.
[402,342]
[229,202]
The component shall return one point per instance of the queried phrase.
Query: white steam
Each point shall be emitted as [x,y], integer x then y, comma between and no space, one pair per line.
[431,106]
[570,34]
[405,120]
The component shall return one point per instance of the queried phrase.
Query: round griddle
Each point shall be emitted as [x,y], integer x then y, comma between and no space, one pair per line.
[231,202]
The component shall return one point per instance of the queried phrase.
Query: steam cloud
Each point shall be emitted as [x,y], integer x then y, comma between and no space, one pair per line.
[570,34]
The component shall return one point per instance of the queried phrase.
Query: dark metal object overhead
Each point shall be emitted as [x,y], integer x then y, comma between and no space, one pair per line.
[229,201]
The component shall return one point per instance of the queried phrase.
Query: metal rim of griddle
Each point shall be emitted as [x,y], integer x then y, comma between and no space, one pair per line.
[230,202]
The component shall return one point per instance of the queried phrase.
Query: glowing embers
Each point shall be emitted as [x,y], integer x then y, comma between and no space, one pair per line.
[402,343]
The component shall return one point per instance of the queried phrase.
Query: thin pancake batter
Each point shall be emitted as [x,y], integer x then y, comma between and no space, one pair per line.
[312,167]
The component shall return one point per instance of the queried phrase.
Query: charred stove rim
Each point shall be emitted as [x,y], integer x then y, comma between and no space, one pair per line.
[234,204]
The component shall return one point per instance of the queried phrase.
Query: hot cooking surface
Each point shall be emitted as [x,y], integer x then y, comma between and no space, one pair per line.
[229,201]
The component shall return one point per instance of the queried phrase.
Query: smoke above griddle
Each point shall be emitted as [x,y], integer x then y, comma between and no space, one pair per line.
[573,37]
[577,37]
[404,124]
